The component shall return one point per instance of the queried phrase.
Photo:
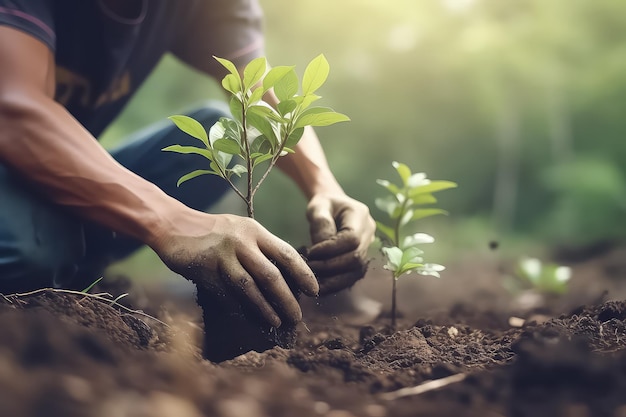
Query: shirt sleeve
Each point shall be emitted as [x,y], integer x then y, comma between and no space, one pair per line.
[231,29]
[35,17]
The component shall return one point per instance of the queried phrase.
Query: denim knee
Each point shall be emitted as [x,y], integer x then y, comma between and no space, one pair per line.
[39,243]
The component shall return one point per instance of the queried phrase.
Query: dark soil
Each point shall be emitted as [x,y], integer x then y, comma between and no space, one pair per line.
[68,354]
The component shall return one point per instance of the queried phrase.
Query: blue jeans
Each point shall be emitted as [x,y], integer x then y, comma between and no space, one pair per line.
[43,245]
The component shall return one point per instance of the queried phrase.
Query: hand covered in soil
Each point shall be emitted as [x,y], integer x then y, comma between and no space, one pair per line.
[233,255]
[341,231]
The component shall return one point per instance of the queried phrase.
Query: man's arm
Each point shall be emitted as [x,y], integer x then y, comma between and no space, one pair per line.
[44,144]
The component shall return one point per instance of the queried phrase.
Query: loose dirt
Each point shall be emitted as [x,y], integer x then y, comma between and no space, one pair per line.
[67,354]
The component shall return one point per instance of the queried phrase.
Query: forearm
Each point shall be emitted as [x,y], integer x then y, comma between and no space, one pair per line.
[42,142]
[309,168]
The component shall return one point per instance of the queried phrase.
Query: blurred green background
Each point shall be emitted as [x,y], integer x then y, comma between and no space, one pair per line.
[522,103]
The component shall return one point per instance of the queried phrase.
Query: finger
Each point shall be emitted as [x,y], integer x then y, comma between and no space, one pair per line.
[272,284]
[321,221]
[346,262]
[343,242]
[290,263]
[238,279]
[339,282]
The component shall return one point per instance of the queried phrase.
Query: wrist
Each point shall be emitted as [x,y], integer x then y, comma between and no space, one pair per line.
[174,221]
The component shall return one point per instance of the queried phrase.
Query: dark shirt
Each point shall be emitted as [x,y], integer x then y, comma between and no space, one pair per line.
[102,57]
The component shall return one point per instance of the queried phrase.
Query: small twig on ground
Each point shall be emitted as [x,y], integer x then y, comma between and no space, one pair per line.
[423,388]
[99,297]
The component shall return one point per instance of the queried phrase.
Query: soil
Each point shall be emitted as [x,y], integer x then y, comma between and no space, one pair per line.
[71,354]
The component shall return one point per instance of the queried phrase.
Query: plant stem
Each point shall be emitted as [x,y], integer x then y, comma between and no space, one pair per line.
[396,229]
[274,159]
[393,303]
[244,137]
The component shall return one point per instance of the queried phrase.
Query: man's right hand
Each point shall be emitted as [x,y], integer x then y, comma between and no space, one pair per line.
[236,255]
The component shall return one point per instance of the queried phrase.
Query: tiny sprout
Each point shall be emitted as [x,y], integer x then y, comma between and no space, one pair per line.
[403,207]
[547,278]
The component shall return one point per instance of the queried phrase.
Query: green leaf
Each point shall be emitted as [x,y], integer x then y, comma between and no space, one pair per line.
[236,108]
[256,95]
[254,71]
[227,145]
[421,213]
[387,231]
[412,254]
[232,83]
[392,188]
[238,170]
[315,74]
[189,150]
[287,106]
[421,199]
[403,170]
[321,119]
[216,168]
[225,129]
[432,187]
[294,137]
[191,127]
[287,86]
[259,146]
[222,159]
[407,216]
[258,120]
[274,75]
[261,159]
[195,174]
[409,267]
[305,101]
[217,131]
[228,65]
[394,256]
[389,205]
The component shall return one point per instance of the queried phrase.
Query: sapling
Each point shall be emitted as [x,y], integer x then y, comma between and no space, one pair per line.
[251,142]
[404,206]
[258,133]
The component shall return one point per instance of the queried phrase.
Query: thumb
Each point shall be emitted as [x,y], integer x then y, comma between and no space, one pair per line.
[321,221]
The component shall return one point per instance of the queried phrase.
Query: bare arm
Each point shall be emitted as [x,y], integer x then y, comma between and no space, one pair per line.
[42,142]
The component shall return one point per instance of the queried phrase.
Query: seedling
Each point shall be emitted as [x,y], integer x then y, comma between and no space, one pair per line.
[543,278]
[258,133]
[403,207]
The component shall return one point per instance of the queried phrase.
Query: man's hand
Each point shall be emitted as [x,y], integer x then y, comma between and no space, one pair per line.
[235,255]
[341,231]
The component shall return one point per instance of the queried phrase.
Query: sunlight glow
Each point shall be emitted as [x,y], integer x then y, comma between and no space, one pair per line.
[458,6]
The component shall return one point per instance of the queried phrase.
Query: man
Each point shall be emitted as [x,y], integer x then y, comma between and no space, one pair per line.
[68,208]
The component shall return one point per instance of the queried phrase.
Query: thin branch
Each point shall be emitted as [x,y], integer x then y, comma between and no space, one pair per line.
[423,388]
[273,160]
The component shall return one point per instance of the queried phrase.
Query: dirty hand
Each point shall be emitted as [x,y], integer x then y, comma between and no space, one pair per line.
[233,255]
[341,231]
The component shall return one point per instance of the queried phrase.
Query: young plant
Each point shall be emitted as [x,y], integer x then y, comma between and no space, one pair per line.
[257,133]
[543,278]
[404,206]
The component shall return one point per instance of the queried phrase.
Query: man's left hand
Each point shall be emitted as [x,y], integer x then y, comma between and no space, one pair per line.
[341,231]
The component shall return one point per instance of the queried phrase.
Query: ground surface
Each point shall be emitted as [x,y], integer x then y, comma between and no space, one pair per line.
[64,354]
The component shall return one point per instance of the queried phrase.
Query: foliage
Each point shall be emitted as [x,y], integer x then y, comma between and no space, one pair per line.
[544,278]
[586,191]
[404,206]
[258,133]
